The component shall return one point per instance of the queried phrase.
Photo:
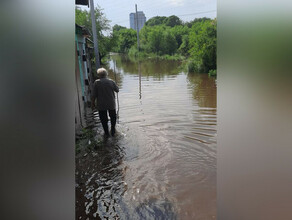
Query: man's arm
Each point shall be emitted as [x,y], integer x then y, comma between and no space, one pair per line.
[116,88]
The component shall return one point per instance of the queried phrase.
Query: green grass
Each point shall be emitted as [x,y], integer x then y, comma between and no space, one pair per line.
[86,141]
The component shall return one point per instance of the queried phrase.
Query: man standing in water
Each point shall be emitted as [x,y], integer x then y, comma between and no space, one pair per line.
[103,92]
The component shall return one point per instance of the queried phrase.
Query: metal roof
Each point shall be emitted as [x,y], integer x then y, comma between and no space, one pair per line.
[81,2]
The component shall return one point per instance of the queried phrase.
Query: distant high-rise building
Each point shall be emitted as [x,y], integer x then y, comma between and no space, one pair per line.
[141,20]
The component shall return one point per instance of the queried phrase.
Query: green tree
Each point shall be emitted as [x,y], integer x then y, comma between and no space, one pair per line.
[155,39]
[179,31]
[169,43]
[117,27]
[195,40]
[184,47]
[158,39]
[203,45]
[196,20]
[172,21]
[144,39]
[126,39]
[83,18]
[157,20]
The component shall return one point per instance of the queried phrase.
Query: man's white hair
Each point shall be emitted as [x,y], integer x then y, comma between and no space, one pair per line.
[102,73]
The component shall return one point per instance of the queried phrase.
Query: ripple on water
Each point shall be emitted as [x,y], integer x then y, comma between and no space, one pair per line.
[162,164]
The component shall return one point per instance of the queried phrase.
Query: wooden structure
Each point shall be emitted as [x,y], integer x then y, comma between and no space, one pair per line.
[83,75]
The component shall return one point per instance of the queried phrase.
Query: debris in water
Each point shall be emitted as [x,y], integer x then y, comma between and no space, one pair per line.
[124,183]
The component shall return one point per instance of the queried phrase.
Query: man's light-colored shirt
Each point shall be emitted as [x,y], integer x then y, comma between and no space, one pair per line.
[104,91]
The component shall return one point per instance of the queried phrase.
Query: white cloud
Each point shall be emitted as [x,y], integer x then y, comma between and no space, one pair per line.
[176,2]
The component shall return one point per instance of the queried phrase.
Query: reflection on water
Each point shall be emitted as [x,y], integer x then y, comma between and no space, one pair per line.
[204,90]
[101,186]
[153,68]
[162,164]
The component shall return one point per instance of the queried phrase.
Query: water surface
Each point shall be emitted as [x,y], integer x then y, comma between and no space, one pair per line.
[162,163]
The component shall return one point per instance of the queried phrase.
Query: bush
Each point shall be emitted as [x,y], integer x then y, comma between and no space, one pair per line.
[194,66]
[212,73]
[172,57]
[191,66]
[133,51]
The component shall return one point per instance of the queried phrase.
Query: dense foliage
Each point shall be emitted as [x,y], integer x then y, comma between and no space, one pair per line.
[168,21]
[105,43]
[161,36]
[124,39]
[169,36]
[203,45]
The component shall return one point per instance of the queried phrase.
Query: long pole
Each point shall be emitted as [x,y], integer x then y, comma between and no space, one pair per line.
[139,70]
[137,25]
[117,92]
[93,21]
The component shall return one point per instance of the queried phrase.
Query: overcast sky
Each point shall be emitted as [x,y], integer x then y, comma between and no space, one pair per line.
[118,10]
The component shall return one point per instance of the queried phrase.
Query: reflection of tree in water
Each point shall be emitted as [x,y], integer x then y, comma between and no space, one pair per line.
[204,89]
[116,76]
[149,67]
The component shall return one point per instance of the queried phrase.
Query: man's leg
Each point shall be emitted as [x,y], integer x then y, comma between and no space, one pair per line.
[104,120]
[113,116]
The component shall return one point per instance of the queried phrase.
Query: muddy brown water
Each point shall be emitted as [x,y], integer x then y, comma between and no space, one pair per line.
[162,162]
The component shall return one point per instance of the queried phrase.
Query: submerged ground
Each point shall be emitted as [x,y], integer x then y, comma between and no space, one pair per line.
[162,162]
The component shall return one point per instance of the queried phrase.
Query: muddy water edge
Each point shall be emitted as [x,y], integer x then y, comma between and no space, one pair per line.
[162,162]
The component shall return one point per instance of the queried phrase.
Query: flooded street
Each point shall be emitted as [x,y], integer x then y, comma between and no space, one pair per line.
[162,162]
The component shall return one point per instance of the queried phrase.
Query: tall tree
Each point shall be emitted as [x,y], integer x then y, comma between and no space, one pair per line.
[157,20]
[83,18]
[125,40]
[196,20]
[179,31]
[173,21]
[203,45]
[117,27]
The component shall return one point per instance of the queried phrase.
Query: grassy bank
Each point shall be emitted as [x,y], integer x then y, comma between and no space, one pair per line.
[86,141]
[187,64]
